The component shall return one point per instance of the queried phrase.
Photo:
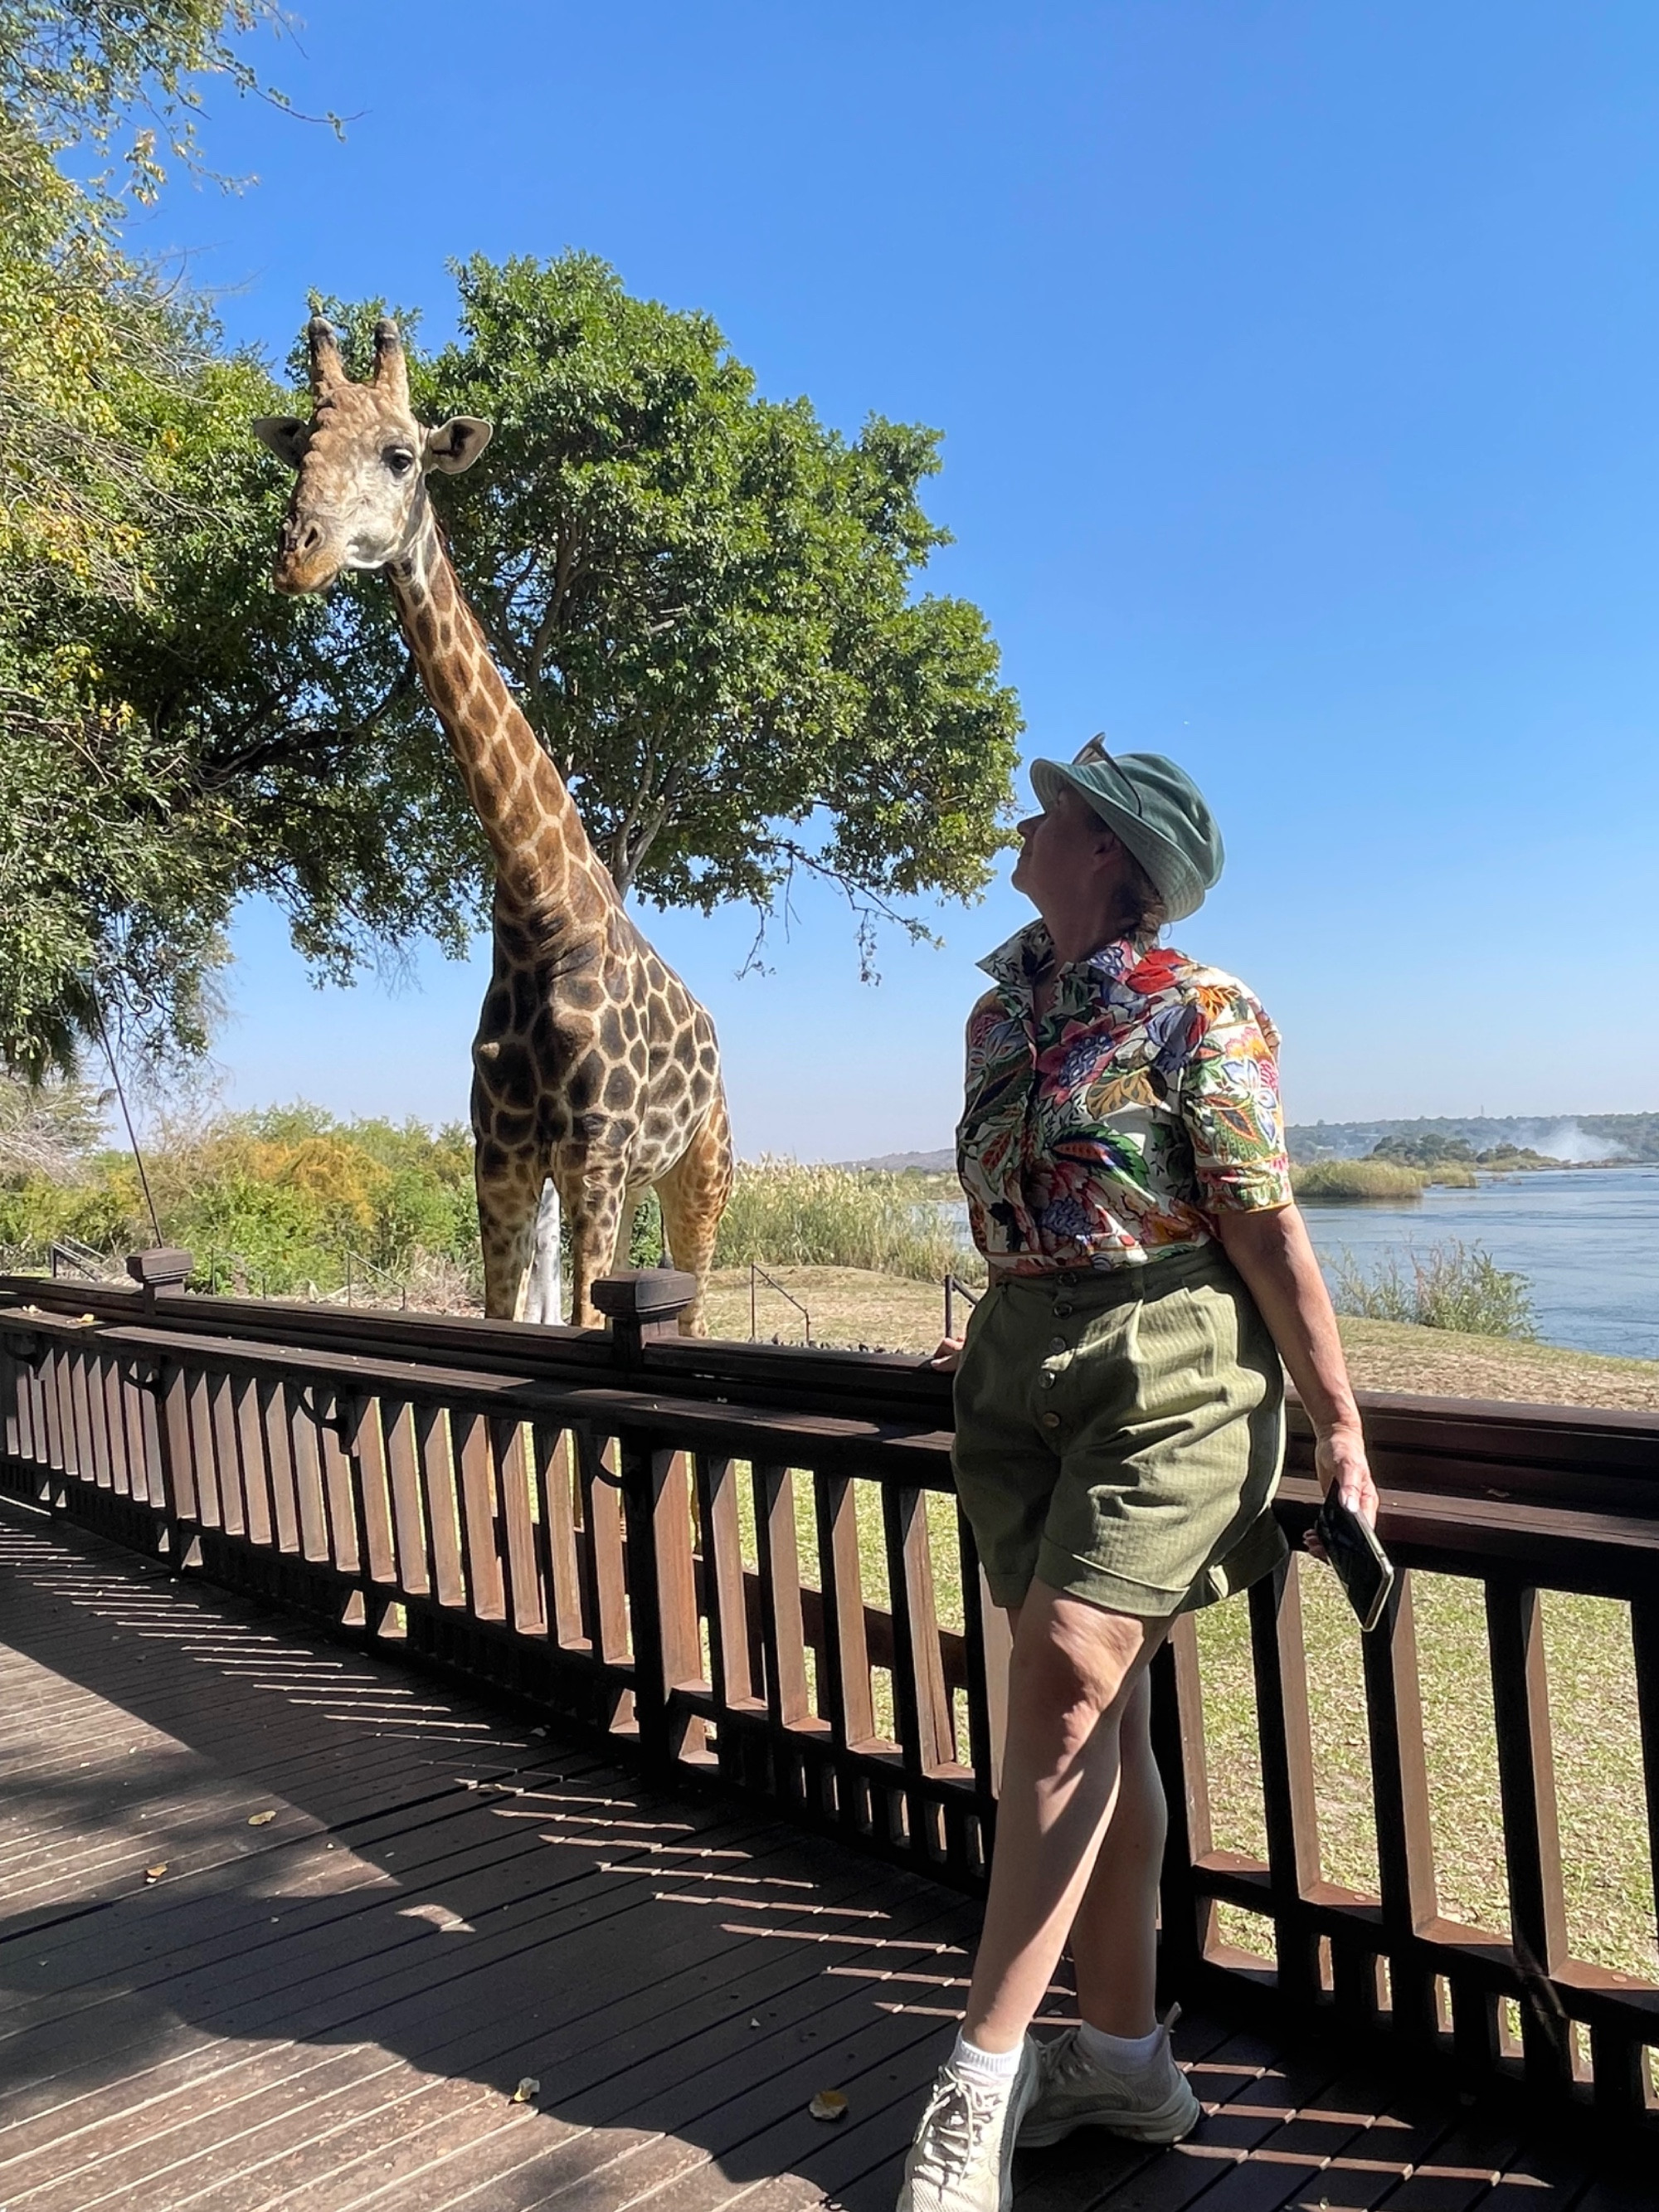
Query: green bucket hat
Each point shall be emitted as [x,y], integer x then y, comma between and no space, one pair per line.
[1156,808]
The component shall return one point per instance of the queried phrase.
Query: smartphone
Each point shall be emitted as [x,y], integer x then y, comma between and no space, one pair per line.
[1363,1567]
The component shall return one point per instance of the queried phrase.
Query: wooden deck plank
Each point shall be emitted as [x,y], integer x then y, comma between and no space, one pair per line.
[328,2013]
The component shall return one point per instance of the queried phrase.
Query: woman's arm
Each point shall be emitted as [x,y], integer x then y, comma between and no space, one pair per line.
[1272,1250]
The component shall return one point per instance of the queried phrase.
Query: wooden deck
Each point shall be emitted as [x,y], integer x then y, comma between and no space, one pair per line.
[281,1925]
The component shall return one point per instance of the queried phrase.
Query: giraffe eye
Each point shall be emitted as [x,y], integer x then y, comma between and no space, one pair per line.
[399,460]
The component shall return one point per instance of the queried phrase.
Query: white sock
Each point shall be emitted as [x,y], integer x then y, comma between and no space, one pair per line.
[1122,2054]
[993,2069]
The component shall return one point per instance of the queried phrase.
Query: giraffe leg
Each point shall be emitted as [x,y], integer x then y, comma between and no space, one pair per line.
[593,1192]
[692,1194]
[506,1224]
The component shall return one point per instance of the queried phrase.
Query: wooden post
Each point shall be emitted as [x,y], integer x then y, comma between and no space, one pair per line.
[641,1303]
[166,1268]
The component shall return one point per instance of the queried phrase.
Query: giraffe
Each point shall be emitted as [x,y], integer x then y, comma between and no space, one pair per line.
[594,1068]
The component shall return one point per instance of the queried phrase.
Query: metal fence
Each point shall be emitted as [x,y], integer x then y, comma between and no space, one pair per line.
[728,1561]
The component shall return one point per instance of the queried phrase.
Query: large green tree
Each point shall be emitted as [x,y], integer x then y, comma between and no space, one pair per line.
[706,600]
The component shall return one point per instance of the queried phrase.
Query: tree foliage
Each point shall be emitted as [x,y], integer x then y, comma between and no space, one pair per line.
[705,600]
[172,736]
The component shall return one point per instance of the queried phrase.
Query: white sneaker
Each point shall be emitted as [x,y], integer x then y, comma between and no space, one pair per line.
[1154,2104]
[962,2158]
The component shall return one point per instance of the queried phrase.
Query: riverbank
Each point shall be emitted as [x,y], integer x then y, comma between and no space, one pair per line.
[853,1305]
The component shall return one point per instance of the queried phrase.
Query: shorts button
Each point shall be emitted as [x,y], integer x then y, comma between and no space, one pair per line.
[1051,1420]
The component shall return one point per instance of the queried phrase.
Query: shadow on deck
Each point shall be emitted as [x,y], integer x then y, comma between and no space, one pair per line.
[283,1924]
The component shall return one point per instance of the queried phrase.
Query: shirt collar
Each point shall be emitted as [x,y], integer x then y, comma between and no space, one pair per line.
[1015,964]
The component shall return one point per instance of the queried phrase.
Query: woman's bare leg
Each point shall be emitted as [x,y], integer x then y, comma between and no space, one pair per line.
[1114,1935]
[1073,1678]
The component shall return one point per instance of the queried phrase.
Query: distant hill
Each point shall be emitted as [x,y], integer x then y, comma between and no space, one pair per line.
[1559,1136]
[896,1163]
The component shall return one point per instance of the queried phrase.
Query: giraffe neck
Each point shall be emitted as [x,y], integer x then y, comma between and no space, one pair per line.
[545,865]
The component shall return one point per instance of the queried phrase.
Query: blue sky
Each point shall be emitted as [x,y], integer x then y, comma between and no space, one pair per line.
[1297,365]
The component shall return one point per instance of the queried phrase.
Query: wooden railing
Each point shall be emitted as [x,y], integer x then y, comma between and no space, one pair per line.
[746,1562]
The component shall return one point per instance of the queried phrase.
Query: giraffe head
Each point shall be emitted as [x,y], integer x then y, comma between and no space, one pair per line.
[359,499]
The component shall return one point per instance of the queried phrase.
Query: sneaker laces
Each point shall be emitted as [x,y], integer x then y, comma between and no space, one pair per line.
[959,2114]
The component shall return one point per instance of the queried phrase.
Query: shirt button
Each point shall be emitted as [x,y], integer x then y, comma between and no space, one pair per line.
[1051,1420]
[1062,1311]
[1056,1343]
[1047,1380]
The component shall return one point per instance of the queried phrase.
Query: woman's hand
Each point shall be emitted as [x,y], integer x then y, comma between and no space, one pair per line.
[1339,1462]
[948,1358]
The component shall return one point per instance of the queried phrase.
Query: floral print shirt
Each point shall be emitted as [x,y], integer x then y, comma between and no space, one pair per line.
[1112,1133]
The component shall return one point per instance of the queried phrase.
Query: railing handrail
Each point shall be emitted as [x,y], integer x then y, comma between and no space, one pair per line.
[1539,1433]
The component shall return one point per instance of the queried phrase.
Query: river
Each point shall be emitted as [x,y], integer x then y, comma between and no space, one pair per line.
[1586,1239]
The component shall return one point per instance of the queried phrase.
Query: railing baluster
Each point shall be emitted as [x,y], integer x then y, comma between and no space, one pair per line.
[480,1538]
[784,1640]
[845,1684]
[523,1564]
[1619,2060]
[360,1416]
[558,1538]
[305,1461]
[51,1383]
[413,1569]
[990,1644]
[667,1649]
[605,1598]
[1279,1654]
[443,1518]
[251,1456]
[208,1511]
[178,1474]
[921,1703]
[1531,1843]
[1399,1787]
[107,1382]
[227,1463]
[1188,1913]
[279,1461]
[723,1587]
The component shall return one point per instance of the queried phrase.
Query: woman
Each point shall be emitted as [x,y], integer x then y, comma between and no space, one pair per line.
[1119,1403]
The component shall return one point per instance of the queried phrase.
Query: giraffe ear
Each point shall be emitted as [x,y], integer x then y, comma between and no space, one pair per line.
[455,444]
[286,435]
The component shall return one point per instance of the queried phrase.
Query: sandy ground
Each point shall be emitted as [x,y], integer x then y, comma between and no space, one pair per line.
[851,1306]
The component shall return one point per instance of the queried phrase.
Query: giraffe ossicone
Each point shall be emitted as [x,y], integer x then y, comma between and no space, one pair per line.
[594,1068]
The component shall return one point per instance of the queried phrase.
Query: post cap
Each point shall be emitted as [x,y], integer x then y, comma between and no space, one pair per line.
[157,1270]
[644,1293]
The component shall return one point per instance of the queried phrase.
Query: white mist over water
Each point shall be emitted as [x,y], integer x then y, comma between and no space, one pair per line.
[1565,1140]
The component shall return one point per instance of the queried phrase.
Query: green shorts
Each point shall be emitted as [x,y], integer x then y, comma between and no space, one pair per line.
[1119,1435]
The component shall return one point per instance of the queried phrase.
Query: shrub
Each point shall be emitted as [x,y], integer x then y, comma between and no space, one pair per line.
[785,1213]
[1449,1286]
[1346,1180]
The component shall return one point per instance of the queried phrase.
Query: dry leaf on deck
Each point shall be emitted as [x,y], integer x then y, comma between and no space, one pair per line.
[528,2088]
[260,1820]
[154,1873]
[827,2105]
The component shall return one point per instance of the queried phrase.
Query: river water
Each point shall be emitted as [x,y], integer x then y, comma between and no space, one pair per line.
[1587,1240]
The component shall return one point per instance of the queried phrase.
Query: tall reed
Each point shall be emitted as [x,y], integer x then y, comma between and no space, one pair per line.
[789,1213]
[1448,1286]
